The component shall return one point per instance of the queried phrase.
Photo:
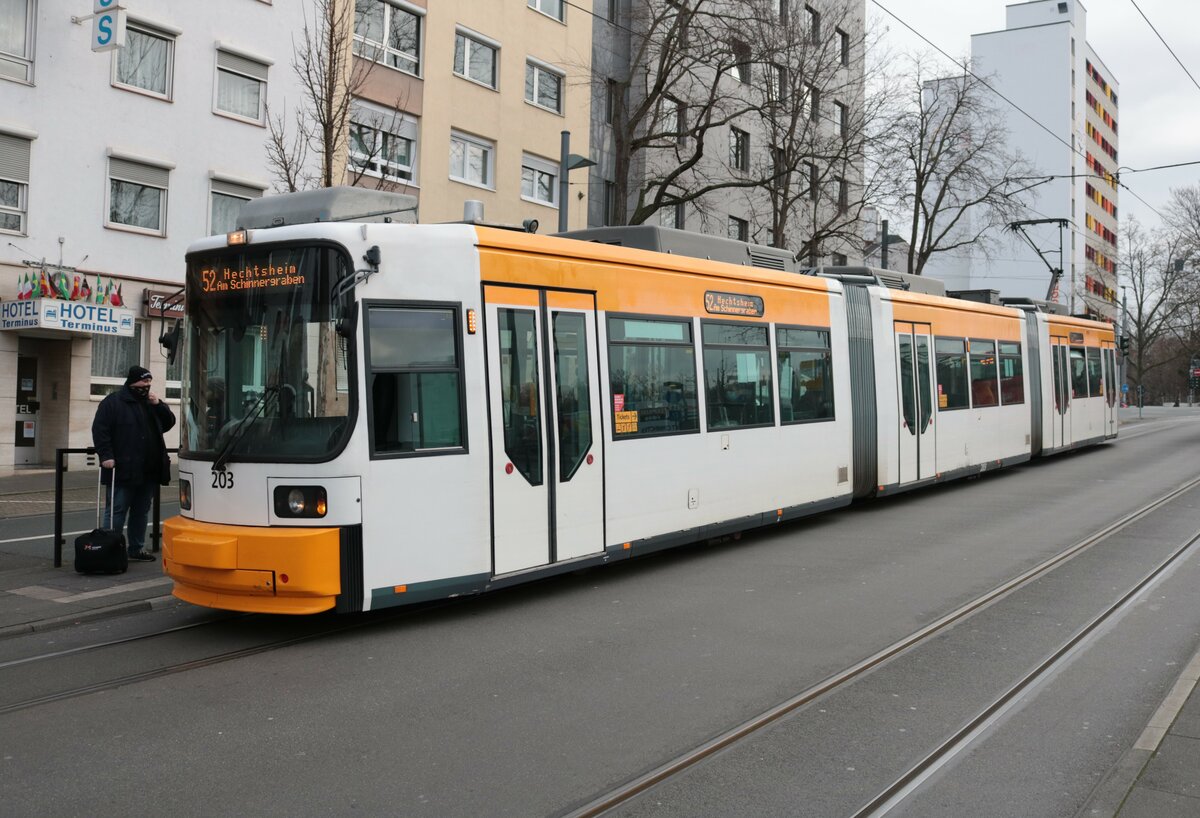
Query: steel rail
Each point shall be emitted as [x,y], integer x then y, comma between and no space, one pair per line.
[681,763]
[908,783]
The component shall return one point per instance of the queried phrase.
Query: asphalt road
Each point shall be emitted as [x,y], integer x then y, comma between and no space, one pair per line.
[535,700]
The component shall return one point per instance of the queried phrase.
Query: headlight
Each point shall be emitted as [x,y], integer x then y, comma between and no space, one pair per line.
[300,501]
[185,494]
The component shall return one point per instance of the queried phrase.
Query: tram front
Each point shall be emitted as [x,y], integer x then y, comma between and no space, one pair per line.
[268,522]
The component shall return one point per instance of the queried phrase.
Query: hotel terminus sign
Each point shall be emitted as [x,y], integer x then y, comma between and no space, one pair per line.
[71,316]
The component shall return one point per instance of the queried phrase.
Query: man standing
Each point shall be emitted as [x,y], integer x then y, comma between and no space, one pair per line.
[128,434]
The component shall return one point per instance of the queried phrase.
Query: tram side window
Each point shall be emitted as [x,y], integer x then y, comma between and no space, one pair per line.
[983,373]
[652,376]
[1079,379]
[415,378]
[805,374]
[952,373]
[1012,381]
[1095,373]
[737,375]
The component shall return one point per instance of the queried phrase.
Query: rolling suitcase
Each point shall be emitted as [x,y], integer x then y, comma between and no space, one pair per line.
[102,550]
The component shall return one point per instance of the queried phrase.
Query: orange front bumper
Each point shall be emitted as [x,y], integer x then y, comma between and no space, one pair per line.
[250,568]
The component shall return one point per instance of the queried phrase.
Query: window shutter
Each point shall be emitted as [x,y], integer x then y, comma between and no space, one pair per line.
[234,189]
[138,173]
[14,158]
[241,65]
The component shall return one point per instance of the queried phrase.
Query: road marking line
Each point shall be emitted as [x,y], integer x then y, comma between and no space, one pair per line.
[54,594]
[49,536]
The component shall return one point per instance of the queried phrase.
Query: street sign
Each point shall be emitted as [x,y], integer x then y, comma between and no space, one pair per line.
[1124,387]
[108,25]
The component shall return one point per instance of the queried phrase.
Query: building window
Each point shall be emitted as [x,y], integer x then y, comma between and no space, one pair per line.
[375,151]
[843,202]
[137,196]
[551,8]
[475,59]
[674,116]
[810,176]
[227,199]
[805,374]
[241,86]
[146,62]
[652,377]
[777,83]
[614,11]
[780,7]
[671,216]
[112,355]
[14,182]
[844,46]
[610,204]
[388,34]
[740,69]
[739,149]
[539,180]
[471,160]
[812,101]
[841,119]
[814,24]
[415,380]
[543,86]
[17,19]
[839,259]
[611,90]
[739,229]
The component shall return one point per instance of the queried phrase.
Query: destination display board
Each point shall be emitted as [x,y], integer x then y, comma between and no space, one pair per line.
[718,303]
[225,278]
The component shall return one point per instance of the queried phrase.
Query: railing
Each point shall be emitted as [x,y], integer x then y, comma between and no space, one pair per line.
[59,469]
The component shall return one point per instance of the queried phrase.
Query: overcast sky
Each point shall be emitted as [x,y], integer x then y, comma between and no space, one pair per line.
[1159,110]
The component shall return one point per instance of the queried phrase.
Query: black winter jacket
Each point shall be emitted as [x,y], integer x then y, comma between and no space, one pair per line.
[119,433]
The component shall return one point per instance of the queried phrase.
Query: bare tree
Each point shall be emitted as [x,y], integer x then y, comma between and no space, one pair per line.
[1162,293]
[817,118]
[961,182]
[683,86]
[332,76]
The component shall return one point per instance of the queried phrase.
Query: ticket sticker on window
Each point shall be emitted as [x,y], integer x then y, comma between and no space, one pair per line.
[618,402]
[943,400]
[627,423]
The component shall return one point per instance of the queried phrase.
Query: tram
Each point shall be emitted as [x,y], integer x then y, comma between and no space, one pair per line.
[377,413]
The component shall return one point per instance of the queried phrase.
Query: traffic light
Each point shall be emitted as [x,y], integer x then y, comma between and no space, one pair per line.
[1123,342]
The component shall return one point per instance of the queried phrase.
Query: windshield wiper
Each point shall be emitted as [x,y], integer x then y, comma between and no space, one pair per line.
[256,409]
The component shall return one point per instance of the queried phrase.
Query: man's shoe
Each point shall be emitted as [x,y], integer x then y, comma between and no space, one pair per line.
[140,556]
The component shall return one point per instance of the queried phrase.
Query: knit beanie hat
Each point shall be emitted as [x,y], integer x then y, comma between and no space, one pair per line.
[137,373]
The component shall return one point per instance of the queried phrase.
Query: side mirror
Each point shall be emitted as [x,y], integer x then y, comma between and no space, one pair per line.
[169,340]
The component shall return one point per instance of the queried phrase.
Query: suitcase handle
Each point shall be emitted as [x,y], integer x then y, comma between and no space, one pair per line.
[112,498]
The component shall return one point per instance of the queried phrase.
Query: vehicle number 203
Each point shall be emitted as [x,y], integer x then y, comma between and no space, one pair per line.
[222,479]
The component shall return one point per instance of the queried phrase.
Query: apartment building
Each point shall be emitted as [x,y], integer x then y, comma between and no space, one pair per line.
[469,102]
[741,120]
[1042,62]
[111,163]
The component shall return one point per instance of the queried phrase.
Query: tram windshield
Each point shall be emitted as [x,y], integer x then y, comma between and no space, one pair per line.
[267,372]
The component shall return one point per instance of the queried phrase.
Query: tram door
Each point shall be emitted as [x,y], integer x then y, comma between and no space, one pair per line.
[544,400]
[1060,421]
[1108,354]
[918,451]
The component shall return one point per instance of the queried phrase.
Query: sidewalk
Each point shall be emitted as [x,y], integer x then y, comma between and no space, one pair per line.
[36,596]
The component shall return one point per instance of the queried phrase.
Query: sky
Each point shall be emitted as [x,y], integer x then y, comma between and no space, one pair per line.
[1159,111]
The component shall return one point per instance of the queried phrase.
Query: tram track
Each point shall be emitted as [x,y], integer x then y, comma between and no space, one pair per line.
[894,794]
[341,626]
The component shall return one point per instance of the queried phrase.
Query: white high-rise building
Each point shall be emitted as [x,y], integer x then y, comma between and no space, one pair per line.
[1042,61]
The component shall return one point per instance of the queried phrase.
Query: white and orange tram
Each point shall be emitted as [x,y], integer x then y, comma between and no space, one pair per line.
[377,413]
